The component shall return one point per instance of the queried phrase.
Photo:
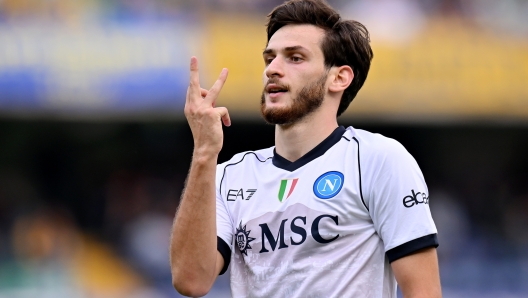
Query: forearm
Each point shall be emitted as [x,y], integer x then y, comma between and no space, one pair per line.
[194,259]
[193,241]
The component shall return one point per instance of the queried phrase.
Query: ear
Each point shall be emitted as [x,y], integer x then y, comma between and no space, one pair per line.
[343,76]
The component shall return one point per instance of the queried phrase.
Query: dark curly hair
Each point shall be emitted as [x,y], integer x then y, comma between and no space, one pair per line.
[346,42]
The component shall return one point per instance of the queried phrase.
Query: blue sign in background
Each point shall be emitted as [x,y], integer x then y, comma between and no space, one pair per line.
[115,68]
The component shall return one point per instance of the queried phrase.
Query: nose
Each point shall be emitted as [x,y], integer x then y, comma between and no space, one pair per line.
[275,68]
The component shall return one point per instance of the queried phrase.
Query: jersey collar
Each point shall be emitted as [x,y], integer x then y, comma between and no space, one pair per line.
[319,150]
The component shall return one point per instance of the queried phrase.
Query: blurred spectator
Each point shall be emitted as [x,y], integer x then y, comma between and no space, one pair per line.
[452,223]
[393,21]
[146,241]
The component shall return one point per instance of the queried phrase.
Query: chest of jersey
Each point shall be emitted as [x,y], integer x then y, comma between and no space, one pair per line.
[316,205]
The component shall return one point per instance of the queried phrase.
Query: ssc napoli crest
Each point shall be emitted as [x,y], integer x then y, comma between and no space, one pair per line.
[328,185]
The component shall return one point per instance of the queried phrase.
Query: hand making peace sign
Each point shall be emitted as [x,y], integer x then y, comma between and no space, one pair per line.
[204,118]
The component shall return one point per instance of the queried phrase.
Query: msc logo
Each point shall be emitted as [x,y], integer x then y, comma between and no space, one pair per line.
[296,226]
[328,185]
[234,194]
[242,239]
[415,199]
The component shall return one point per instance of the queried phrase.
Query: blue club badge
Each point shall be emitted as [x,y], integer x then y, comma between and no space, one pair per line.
[328,185]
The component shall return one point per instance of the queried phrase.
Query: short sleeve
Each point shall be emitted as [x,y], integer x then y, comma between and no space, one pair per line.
[224,228]
[398,200]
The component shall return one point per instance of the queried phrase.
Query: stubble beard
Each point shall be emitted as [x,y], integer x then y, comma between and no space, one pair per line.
[306,102]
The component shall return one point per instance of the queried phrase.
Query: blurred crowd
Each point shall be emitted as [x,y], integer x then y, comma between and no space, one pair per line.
[86,209]
[507,15]
[84,216]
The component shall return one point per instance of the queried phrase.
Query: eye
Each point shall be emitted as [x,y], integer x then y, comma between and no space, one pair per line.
[267,60]
[296,58]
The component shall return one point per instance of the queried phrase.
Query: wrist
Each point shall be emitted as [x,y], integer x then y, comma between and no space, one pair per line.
[205,155]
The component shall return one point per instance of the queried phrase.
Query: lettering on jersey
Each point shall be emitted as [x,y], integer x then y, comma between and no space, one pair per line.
[266,233]
[415,199]
[234,194]
[242,239]
[296,227]
[286,188]
[328,185]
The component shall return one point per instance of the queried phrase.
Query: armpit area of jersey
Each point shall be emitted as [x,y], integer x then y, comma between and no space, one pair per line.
[225,251]
[412,246]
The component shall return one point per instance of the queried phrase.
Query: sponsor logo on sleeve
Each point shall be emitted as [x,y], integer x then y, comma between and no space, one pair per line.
[328,185]
[286,188]
[415,198]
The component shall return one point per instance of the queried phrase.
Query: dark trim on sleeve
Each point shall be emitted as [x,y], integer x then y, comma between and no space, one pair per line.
[225,251]
[412,246]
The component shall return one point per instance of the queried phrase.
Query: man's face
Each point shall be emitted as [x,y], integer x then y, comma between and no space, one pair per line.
[295,75]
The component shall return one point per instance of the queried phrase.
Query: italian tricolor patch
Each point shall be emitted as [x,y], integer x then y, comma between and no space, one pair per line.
[286,188]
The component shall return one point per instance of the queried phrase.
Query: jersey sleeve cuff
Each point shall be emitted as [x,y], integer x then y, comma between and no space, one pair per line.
[412,246]
[225,251]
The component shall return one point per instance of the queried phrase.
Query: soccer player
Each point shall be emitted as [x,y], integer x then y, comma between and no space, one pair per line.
[328,211]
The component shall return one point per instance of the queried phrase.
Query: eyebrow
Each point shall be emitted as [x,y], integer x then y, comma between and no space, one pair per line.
[286,49]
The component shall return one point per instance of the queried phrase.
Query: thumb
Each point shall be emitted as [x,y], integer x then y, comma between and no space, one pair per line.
[224,115]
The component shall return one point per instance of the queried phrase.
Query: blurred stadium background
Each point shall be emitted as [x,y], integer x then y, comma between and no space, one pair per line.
[94,148]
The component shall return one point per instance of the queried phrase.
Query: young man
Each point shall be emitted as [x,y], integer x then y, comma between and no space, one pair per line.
[327,211]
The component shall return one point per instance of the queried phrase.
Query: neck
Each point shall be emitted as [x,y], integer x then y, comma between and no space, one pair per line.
[295,140]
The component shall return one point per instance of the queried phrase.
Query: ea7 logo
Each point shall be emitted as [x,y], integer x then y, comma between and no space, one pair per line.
[234,194]
[415,199]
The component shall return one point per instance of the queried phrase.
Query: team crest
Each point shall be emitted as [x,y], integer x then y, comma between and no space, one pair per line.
[286,188]
[328,185]
[242,239]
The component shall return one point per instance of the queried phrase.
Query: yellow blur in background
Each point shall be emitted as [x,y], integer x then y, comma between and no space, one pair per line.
[128,58]
[451,70]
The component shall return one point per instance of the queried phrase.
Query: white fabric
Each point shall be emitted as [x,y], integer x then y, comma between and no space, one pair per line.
[331,247]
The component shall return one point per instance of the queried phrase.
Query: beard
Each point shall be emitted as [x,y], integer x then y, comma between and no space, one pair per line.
[307,101]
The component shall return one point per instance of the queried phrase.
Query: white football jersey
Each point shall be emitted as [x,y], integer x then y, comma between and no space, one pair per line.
[326,225]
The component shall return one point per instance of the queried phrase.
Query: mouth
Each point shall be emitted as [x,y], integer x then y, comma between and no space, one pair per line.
[275,90]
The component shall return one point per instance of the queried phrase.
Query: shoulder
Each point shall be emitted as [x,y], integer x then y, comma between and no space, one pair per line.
[258,156]
[380,157]
[387,169]
[375,145]
[243,163]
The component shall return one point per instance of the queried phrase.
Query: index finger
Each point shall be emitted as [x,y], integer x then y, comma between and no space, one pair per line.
[194,85]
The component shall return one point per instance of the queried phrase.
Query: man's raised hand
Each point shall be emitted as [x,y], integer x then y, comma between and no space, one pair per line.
[205,119]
